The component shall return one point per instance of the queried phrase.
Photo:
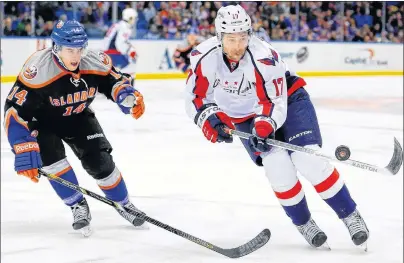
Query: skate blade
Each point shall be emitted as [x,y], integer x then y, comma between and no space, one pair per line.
[86,231]
[364,246]
[325,246]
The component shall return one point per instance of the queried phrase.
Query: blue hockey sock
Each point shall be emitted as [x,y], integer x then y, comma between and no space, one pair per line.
[335,193]
[63,170]
[114,187]
[294,203]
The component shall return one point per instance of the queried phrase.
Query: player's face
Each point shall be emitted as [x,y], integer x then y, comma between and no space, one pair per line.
[71,57]
[235,45]
[132,21]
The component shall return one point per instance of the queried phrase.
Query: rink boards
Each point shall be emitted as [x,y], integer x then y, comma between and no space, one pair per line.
[307,58]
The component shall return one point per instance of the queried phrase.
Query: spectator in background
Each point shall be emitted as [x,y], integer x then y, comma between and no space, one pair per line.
[8,30]
[361,18]
[88,17]
[47,29]
[311,36]
[260,32]
[10,8]
[315,21]
[323,36]
[170,24]
[358,36]
[25,30]
[303,30]
[153,33]
[333,36]
[149,12]
[47,10]
[377,19]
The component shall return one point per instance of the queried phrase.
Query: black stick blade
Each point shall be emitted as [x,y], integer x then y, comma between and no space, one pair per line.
[397,159]
[259,241]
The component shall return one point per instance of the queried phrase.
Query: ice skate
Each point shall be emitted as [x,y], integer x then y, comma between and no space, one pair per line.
[313,234]
[134,220]
[357,228]
[81,217]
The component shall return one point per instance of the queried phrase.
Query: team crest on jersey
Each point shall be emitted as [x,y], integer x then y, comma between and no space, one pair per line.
[275,55]
[30,72]
[195,52]
[267,61]
[104,58]
[60,24]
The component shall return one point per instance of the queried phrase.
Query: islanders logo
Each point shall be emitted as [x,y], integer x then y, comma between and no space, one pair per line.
[30,72]
[59,24]
[104,58]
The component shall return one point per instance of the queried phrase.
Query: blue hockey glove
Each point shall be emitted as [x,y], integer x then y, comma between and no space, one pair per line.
[27,158]
[130,101]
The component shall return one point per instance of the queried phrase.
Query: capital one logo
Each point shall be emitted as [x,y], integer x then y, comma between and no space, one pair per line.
[366,57]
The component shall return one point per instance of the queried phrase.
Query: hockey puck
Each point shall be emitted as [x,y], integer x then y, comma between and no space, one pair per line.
[342,153]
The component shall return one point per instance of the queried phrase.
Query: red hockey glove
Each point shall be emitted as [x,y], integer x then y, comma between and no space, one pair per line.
[212,120]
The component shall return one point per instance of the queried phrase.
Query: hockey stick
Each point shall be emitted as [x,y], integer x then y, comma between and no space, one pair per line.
[260,240]
[392,168]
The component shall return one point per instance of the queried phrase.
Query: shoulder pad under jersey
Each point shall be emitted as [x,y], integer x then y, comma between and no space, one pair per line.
[262,49]
[123,25]
[208,44]
[205,48]
[96,62]
[40,70]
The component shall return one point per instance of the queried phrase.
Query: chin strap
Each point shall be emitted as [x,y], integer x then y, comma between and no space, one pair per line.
[55,51]
[60,61]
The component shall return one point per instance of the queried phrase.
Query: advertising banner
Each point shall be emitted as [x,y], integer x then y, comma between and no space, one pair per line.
[309,59]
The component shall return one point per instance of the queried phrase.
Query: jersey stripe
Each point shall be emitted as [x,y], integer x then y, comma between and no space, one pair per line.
[264,100]
[201,83]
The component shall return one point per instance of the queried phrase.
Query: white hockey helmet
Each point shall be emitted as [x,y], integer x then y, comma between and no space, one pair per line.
[232,19]
[129,15]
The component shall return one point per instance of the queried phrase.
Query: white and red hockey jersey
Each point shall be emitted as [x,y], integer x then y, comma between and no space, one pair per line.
[116,41]
[256,85]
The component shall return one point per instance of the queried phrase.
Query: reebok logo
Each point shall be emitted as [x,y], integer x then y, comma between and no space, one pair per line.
[299,135]
[26,147]
[93,136]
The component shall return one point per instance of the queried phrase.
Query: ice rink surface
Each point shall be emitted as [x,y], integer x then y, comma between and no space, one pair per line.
[213,191]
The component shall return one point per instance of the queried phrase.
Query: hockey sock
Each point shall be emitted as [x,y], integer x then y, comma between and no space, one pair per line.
[294,203]
[63,170]
[335,193]
[114,187]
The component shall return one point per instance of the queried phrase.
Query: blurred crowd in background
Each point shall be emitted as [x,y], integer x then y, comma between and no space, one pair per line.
[290,21]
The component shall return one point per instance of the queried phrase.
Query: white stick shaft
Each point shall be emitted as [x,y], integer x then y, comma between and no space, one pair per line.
[296,148]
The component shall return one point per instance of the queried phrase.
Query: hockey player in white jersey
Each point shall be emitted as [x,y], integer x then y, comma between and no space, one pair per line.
[240,82]
[117,45]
